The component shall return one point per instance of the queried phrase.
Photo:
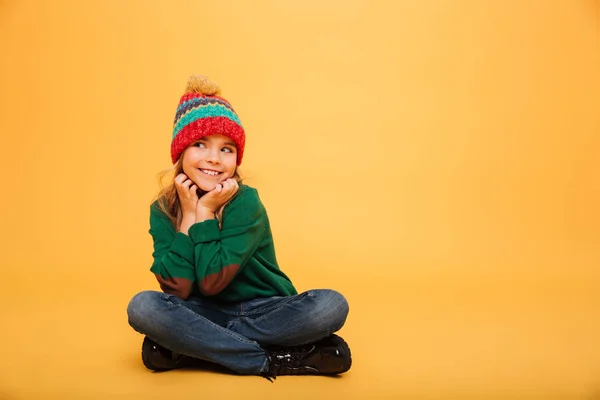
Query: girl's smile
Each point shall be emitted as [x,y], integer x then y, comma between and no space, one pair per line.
[210,172]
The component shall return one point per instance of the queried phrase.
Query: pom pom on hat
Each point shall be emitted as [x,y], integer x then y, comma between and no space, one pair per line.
[201,112]
[201,84]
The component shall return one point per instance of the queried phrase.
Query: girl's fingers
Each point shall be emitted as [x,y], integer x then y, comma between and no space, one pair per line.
[193,187]
[180,178]
[186,183]
[230,188]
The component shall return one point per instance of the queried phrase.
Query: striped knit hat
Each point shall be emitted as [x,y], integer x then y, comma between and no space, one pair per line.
[202,113]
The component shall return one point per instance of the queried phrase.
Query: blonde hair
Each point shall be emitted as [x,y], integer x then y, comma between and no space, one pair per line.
[167,198]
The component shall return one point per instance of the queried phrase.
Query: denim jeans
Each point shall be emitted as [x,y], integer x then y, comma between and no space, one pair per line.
[233,334]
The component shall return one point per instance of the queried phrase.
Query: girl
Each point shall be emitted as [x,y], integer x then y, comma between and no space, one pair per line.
[224,299]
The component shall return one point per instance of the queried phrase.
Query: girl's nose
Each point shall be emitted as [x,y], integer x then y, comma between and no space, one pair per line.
[214,157]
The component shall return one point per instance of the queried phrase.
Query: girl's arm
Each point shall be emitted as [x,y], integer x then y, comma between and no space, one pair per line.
[173,256]
[220,254]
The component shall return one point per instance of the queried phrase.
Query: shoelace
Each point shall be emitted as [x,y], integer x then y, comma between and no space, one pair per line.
[286,361]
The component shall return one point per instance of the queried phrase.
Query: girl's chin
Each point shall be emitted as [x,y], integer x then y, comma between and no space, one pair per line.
[208,187]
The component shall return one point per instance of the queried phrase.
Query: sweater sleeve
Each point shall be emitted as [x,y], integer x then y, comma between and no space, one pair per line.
[220,254]
[173,254]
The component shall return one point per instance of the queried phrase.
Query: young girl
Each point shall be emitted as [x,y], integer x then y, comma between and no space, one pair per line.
[224,299]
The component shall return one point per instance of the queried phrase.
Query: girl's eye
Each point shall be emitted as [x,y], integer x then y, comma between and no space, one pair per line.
[200,144]
[227,150]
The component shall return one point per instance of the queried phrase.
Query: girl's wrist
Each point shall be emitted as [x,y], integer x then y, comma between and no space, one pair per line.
[188,217]
[188,214]
[187,220]
[204,214]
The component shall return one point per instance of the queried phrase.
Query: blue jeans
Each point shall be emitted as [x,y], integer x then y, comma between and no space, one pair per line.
[232,334]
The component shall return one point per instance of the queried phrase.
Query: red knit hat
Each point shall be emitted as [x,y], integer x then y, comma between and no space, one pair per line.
[202,113]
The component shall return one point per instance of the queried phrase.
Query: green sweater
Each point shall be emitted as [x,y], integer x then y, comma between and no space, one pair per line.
[234,263]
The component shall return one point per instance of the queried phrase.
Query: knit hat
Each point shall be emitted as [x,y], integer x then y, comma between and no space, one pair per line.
[202,113]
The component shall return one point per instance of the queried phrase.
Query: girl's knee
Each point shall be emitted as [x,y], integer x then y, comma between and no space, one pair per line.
[341,307]
[141,306]
[331,299]
[331,309]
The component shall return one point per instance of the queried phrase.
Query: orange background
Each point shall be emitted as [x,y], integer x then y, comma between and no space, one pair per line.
[435,161]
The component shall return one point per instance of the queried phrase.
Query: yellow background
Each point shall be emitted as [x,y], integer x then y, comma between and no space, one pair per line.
[435,161]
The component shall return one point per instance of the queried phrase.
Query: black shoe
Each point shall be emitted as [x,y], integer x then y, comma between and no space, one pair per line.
[159,358]
[329,356]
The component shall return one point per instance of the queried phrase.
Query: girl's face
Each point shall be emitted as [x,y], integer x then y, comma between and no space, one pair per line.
[209,161]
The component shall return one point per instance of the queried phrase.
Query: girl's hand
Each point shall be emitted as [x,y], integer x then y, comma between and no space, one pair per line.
[188,197]
[219,196]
